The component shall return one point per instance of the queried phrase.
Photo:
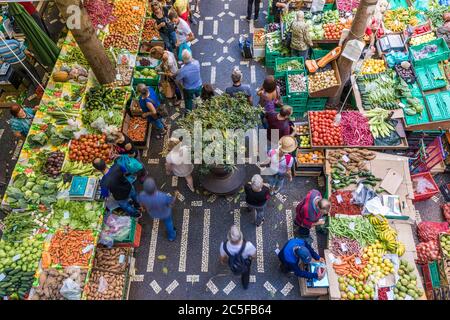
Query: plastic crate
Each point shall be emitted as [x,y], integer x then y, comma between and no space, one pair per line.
[319,53]
[417,118]
[441,54]
[297,96]
[136,242]
[130,237]
[427,195]
[280,60]
[439,105]
[434,274]
[150,82]
[430,77]
[316,104]
[270,57]
[329,6]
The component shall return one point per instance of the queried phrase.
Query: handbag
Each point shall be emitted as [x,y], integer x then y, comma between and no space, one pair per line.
[166,88]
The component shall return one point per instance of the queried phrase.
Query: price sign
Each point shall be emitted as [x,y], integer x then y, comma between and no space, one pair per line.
[121,258]
[136,8]
[352,289]
[336,181]
[314,157]
[66,214]
[339,198]
[351,225]
[136,27]
[344,247]
[345,158]
[118,76]
[357,260]
[2,276]
[16,257]
[88,248]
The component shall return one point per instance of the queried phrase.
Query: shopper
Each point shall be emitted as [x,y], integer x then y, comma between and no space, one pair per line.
[249,9]
[21,120]
[149,102]
[190,78]
[31,9]
[164,25]
[269,95]
[158,205]
[207,92]
[168,69]
[296,252]
[280,163]
[257,193]
[184,34]
[300,41]
[122,144]
[238,253]
[279,123]
[115,183]
[236,78]
[14,52]
[309,213]
[181,7]
[178,162]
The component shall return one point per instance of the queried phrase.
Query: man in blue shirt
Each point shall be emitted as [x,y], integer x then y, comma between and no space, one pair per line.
[296,251]
[189,76]
[159,206]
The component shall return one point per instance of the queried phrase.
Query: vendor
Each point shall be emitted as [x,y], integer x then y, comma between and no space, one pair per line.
[278,6]
[21,121]
[309,213]
[369,35]
[123,144]
[295,252]
[300,41]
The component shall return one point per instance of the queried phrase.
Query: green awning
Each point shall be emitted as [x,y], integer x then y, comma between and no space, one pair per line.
[45,49]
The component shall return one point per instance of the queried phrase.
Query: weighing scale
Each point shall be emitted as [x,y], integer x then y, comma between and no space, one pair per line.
[315,283]
[83,188]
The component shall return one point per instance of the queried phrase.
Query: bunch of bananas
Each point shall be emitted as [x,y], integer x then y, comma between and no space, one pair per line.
[387,235]
[379,122]
[79,168]
[63,185]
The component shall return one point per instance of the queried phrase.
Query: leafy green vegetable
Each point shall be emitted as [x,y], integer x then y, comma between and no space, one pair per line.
[76,215]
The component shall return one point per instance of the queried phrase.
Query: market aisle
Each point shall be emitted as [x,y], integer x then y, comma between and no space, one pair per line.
[189,268]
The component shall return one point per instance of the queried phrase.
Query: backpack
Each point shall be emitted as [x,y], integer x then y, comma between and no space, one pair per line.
[237,263]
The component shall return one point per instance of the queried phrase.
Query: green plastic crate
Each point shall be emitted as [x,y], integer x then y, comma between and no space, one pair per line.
[130,237]
[395,4]
[434,274]
[417,118]
[302,97]
[439,105]
[270,57]
[329,6]
[280,60]
[319,53]
[430,77]
[441,54]
[316,104]
[150,82]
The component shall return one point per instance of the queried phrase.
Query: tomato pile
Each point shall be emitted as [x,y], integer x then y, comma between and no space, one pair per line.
[333,31]
[324,132]
[89,147]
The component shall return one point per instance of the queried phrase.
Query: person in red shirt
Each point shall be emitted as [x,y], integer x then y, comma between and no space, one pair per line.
[310,211]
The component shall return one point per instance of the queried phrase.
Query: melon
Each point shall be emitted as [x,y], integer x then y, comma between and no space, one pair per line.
[60,76]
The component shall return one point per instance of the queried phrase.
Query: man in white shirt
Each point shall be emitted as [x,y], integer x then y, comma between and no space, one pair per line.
[182,30]
[237,246]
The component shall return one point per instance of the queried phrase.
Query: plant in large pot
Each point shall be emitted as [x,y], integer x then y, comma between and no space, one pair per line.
[217,127]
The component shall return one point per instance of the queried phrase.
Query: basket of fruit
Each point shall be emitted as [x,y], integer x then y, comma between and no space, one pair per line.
[422,38]
[308,158]
[146,75]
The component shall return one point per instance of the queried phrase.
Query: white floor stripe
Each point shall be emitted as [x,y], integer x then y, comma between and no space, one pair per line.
[137,278]
[209,18]
[236,26]
[208,37]
[192,278]
[230,286]
[287,289]
[252,279]
[231,59]
[200,28]
[259,250]
[194,41]
[206,64]
[230,40]
[226,6]
[172,286]
[212,287]
[220,40]
[214,197]
[213,75]
[237,218]
[155,286]
[184,241]
[244,63]
[252,27]
[197,15]
[153,161]
[231,14]
[205,246]
[215,27]
[225,49]
[289,224]
[220,15]
[220,59]
[152,247]
[253,74]
[269,287]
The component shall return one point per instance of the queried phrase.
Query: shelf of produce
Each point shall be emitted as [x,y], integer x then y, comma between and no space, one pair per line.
[325,41]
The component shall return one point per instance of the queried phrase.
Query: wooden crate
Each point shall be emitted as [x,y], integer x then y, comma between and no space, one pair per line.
[331,91]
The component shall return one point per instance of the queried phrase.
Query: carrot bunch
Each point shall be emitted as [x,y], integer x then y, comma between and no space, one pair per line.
[349,266]
[70,247]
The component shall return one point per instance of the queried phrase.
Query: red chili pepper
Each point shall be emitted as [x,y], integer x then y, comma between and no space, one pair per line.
[344,207]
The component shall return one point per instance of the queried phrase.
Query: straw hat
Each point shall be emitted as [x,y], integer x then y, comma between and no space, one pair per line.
[288,144]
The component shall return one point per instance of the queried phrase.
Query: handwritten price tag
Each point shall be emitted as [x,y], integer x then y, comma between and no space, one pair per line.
[351,225]
[345,158]
[66,214]
[357,260]
[2,276]
[88,248]
[352,289]
[121,258]
[136,8]
[339,198]
[16,257]
[344,247]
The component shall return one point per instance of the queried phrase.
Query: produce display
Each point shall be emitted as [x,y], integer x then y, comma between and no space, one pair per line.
[304,141]
[445,245]
[74,56]
[322,80]
[387,235]
[150,32]
[324,132]
[24,257]
[74,73]
[297,82]
[415,41]
[273,41]
[100,12]
[51,281]
[129,15]
[70,248]
[125,74]
[373,66]
[405,71]
[281,83]
[438,15]
[121,40]
[406,286]
[397,20]
[54,164]
[344,247]
[104,285]
[137,129]
[20,225]
[113,259]
[145,73]
[347,5]
[313,157]
[379,122]
[341,203]
[378,91]
[78,215]
[333,31]
[259,37]
[105,98]
[89,147]
[353,227]
[355,129]
[111,117]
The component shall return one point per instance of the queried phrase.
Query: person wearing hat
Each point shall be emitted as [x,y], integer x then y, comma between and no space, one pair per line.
[237,245]
[178,162]
[158,205]
[309,213]
[295,252]
[280,163]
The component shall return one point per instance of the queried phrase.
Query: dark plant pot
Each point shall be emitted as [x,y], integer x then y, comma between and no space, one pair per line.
[222,181]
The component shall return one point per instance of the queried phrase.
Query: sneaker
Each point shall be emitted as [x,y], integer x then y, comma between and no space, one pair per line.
[248,19]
